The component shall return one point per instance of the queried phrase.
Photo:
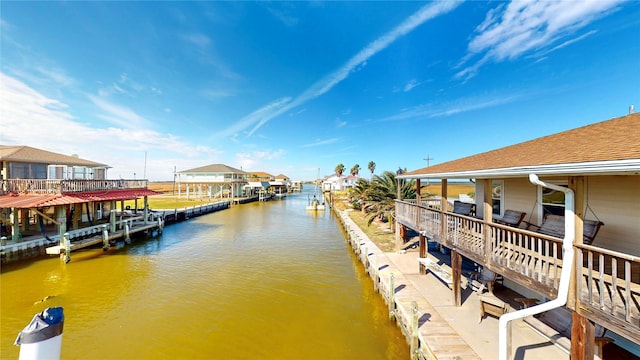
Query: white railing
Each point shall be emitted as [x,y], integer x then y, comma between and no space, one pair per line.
[38,186]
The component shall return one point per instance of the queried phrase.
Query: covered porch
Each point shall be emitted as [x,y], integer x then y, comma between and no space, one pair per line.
[604,286]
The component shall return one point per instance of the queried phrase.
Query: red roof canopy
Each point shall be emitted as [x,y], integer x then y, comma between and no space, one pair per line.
[27,201]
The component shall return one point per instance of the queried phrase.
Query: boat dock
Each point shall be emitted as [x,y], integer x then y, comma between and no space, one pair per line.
[122,225]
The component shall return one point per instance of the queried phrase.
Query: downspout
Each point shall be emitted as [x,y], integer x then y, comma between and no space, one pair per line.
[504,335]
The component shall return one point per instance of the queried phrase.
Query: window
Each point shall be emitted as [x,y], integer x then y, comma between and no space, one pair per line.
[27,171]
[496,196]
[552,201]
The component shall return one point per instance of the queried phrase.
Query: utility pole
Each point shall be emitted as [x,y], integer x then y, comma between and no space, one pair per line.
[174,180]
[428,159]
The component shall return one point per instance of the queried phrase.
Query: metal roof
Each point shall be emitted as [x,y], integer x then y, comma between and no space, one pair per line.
[28,201]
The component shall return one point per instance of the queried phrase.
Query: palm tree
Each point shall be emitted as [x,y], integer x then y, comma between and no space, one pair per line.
[359,194]
[339,170]
[383,192]
[355,170]
[371,167]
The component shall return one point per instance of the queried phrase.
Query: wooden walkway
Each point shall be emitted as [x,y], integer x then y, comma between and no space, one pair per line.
[429,334]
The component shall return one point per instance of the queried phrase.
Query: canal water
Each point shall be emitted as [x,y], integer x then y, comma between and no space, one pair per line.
[260,280]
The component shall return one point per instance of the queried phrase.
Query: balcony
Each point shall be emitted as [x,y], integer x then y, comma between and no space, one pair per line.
[609,288]
[36,186]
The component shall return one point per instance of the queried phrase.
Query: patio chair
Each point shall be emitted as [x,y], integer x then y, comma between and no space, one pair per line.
[511,218]
[489,304]
[464,208]
[483,279]
[553,225]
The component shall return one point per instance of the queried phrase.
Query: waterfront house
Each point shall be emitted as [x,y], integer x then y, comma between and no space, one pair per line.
[599,220]
[212,181]
[280,185]
[350,181]
[333,183]
[40,189]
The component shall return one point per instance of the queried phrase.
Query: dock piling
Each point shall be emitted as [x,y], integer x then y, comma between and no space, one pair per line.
[414,331]
[392,300]
[105,238]
[66,255]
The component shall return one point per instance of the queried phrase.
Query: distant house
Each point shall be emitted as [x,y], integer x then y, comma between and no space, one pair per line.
[39,188]
[281,184]
[260,176]
[25,162]
[283,178]
[350,181]
[600,165]
[212,181]
[339,183]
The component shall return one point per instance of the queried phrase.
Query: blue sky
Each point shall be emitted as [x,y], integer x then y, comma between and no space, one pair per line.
[293,87]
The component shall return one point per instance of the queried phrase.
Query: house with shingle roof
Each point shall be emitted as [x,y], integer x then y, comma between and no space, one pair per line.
[212,181]
[40,189]
[26,162]
[579,188]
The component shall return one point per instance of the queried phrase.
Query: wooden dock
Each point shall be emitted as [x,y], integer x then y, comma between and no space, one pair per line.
[124,226]
[429,335]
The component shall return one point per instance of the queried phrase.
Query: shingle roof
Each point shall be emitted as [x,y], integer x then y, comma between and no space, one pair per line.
[214,168]
[260,174]
[29,154]
[608,141]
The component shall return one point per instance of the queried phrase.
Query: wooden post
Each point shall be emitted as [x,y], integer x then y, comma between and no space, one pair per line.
[582,337]
[418,203]
[398,238]
[414,331]
[374,266]
[146,209]
[112,218]
[61,217]
[422,241]
[24,219]
[443,209]
[127,238]
[105,238]
[488,216]
[392,298]
[15,225]
[576,183]
[67,248]
[456,271]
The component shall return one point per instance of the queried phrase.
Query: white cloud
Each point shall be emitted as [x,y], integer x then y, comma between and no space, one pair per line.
[321,142]
[30,118]
[524,26]
[261,116]
[257,160]
[410,85]
[200,40]
[119,115]
[460,106]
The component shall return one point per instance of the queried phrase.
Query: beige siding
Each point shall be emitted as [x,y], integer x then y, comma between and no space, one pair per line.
[520,195]
[615,200]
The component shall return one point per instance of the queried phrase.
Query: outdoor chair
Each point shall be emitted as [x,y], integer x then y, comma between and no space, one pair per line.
[553,225]
[464,208]
[483,279]
[511,218]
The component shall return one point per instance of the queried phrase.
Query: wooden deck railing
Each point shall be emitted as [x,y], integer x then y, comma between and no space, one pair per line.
[609,292]
[35,186]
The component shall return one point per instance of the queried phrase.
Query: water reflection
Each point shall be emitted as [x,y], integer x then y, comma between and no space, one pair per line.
[262,280]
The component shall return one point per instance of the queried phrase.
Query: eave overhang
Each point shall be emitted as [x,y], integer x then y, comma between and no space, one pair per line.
[620,167]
